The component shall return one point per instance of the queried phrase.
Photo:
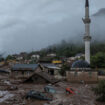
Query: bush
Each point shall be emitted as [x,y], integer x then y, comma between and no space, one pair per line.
[100,91]
[63,70]
[98,60]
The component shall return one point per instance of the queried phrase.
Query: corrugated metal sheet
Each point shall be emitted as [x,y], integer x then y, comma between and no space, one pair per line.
[25,66]
[50,66]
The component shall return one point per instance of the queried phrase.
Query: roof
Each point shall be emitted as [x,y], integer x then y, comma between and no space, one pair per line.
[79,54]
[56,61]
[50,66]
[48,78]
[4,71]
[80,64]
[24,66]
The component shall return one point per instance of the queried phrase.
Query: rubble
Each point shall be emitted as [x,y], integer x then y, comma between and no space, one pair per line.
[41,77]
[13,93]
[4,95]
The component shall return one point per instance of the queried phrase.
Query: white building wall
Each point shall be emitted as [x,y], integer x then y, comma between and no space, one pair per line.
[87,29]
[87,51]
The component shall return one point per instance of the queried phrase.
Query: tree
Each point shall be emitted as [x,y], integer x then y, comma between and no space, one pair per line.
[100,91]
[98,60]
[10,57]
[64,68]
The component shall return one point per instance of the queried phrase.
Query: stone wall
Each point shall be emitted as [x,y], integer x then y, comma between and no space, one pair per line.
[101,78]
[78,76]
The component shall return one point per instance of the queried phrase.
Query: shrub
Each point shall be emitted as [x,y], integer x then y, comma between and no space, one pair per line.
[63,70]
[100,91]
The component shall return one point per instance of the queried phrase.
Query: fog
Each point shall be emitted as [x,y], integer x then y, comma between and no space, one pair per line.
[27,25]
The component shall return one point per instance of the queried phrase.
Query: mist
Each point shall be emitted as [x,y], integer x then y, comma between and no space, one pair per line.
[27,25]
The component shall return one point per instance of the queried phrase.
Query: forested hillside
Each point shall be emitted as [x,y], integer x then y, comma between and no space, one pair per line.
[69,49]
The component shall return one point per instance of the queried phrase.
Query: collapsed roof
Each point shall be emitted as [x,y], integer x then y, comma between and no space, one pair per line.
[48,78]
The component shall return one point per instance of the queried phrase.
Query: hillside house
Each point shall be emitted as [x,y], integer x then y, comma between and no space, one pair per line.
[35,56]
[51,55]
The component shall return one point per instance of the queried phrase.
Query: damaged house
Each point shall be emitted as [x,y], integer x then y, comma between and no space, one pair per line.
[41,78]
[24,70]
[4,74]
[51,69]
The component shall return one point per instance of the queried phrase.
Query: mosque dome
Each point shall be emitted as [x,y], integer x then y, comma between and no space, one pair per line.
[80,64]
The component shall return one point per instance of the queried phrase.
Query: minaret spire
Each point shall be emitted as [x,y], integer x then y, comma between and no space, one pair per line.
[87,3]
[87,37]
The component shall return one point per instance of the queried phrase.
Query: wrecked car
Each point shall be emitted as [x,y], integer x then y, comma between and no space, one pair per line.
[49,89]
[70,90]
[37,95]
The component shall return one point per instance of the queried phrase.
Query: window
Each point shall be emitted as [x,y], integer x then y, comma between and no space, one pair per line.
[16,72]
[28,73]
[76,73]
[22,72]
[90,74]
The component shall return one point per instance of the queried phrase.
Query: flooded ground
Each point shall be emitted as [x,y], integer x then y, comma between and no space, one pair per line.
[14,94]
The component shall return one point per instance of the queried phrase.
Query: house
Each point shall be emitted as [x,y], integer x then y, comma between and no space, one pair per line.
[24,70]
[12,62]
[51,55]
[23,54]
[45,60]
[19,58]
[50,68]
[41,78]
[4,74]
[71,59]
[35,56]
[79,55]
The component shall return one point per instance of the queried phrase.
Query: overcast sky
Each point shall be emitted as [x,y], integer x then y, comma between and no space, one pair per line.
[34,24]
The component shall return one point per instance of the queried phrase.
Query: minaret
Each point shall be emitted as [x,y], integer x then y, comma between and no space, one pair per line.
[87,37]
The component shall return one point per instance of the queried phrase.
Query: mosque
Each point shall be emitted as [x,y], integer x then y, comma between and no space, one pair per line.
[87,38]
[81,70]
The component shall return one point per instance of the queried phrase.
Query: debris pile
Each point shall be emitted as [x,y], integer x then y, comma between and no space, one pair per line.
[5,95]
[15,93]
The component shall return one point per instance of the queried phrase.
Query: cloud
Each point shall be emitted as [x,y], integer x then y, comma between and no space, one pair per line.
[34,24]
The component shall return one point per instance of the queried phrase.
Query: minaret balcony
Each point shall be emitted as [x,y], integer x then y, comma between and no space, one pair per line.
[87,38]
[86,20]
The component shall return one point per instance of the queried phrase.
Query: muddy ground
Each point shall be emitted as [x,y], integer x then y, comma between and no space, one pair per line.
[14,94]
